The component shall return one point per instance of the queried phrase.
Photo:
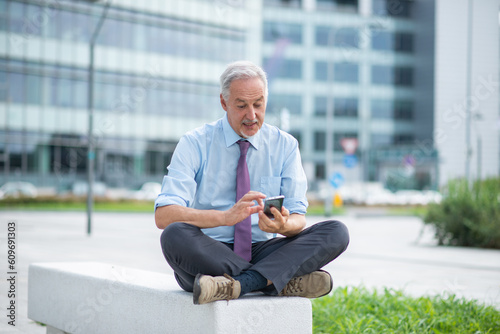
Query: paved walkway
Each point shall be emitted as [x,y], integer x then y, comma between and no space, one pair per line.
[395,252]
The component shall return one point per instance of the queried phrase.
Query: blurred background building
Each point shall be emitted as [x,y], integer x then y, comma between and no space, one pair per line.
[394,91]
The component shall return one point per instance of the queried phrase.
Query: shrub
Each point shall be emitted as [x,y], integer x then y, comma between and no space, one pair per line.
[468,215]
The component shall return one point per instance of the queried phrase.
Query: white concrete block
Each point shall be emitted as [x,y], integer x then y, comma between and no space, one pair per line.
[52,330]
[90,297]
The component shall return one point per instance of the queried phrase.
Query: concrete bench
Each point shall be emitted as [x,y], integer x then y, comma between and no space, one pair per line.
[90,297]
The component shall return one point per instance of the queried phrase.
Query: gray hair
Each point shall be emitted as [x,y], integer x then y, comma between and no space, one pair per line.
[241,70]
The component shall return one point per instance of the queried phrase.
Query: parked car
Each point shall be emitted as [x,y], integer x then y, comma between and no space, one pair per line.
[80,188]
[16,189]
[148,191]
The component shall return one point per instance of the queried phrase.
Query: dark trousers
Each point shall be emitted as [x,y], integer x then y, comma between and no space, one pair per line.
[189,252]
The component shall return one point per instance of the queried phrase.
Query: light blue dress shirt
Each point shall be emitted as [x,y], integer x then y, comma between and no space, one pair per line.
[202,173]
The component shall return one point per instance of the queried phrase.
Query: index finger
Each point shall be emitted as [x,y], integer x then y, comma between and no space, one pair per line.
[254,196]
[255,193]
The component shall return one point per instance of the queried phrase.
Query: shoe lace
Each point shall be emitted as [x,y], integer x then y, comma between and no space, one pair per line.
[225,289]
[294,286]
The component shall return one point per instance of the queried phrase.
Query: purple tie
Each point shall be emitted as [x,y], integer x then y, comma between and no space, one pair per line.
[243,230]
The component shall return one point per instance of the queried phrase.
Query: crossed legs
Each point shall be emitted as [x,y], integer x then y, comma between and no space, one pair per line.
[190,252]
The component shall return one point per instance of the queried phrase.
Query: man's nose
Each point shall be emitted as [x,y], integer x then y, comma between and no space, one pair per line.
[250,113]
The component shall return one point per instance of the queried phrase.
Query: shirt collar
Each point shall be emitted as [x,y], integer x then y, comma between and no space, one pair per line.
[232,137]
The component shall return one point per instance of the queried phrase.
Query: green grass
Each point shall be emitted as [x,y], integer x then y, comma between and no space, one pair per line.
[316,209]
[102,205]
[77,204]
[418,211]
[319,210]
[358,310]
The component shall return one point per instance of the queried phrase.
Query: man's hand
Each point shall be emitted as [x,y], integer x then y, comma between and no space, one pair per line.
[244,208]
[166,215]
[283,223]
[276,225]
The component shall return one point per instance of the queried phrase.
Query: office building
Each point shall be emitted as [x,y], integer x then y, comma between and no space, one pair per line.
[413,83]
[395,91]
[156,69]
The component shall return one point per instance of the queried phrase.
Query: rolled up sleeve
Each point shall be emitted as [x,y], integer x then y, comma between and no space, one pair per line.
[179,185]
[294,182]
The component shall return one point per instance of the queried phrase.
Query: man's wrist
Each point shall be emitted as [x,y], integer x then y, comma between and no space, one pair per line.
[224,218]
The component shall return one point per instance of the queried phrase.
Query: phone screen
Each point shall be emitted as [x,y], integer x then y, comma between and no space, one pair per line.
[276,201]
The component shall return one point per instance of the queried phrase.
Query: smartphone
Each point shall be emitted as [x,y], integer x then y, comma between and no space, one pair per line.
[270,202]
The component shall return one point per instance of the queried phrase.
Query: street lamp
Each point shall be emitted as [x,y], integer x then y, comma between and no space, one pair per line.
[468,121]
[90,103]
[329,123]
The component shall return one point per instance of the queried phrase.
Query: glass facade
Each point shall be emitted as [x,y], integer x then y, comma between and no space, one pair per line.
[347,37]
[274,31]
[342,106]
[156,77]
[364,65]
[394,8]
[138,103]
[392,41]
[342,72]
[74,21]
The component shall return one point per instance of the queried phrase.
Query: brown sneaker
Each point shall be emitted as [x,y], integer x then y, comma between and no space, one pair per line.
[313,285]
[208,288]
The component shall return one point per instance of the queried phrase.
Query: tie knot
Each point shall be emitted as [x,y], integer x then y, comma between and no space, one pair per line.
[244,144]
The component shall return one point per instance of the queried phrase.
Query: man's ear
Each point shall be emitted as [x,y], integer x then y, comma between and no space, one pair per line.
[223,103]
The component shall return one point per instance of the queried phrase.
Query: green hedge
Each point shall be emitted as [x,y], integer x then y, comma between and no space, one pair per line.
[468,215]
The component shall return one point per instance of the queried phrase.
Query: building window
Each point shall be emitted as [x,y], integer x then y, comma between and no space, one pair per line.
[338,5]
[124,30]
[380,140]
[390,41]
[347,37]
[277,102]
[68,154]
[16,87]
[3,16]
[320,106]
[274,31]
[389,109]
[322,35]
[341,37]
[297,135]
[321,71]
[283,3]
[403,139]
[346,72]
[382,75]
[18,151]
[320,171]
[342,72]
[319,141]
[381,109]
[346,107]
[382,40]
[396,8]
[403,76]
[342,106]
[403,42]
[385,140]
[388,75]
[403,110]
[4,86]
[157,156]
[284,68]
[16,17]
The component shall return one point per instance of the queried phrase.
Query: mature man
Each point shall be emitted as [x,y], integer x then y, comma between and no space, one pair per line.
[216,237]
